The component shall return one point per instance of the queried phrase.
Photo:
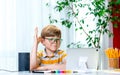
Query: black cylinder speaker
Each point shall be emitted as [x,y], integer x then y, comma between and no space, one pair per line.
[23,61]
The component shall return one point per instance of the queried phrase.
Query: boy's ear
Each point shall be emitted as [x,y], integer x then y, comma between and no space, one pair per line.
[41,40]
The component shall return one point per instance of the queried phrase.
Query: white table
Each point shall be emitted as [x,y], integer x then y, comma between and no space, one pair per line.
[98,72]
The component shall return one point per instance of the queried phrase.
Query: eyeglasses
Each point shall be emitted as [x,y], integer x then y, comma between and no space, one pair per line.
[52,40]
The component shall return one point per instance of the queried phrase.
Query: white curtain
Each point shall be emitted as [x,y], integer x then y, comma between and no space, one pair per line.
[7,34]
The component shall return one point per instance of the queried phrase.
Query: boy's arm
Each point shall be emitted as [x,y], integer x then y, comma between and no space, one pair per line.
[53,67]
[33,55]
[59,66]
[33,58]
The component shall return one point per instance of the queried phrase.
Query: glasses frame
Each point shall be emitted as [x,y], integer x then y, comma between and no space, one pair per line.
[53,40]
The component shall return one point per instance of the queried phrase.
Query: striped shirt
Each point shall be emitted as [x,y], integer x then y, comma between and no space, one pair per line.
[58,57]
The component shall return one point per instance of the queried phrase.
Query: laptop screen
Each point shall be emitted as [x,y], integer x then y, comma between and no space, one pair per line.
[82,58]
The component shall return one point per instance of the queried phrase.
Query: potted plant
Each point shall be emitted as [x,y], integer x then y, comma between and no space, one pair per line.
[101,11]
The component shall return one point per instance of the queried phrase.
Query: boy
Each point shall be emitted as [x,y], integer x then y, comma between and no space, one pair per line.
[51,58]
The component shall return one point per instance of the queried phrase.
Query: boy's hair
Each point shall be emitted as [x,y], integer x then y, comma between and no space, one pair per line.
[50,30]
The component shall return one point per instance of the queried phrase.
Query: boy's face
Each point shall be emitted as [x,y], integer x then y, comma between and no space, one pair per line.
[52,43]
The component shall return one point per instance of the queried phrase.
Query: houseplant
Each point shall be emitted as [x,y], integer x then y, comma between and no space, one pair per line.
[101,11]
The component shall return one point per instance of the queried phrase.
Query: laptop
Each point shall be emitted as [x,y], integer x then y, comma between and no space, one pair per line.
[82,58]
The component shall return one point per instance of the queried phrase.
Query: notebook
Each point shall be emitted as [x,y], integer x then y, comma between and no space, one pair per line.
[82,58]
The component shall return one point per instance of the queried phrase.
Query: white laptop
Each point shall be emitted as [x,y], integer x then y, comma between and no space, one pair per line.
[82,58]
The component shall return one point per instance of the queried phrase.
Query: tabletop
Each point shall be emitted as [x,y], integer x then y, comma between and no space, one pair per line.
[87,72]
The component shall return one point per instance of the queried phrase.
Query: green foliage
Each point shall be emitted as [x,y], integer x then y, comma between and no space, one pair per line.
[66,23]
[102,14]
[75,45]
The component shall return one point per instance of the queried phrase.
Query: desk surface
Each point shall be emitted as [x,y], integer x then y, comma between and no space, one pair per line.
[98,72]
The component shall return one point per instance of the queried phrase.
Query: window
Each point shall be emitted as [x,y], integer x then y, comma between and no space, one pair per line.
[88,21]
[80,35]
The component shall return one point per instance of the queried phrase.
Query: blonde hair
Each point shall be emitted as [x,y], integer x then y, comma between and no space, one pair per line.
[50,30]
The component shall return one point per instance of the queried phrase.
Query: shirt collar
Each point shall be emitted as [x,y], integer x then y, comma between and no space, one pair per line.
[45,54]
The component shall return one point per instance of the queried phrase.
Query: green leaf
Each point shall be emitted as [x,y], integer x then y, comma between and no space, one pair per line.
[68,46]
[111,34]
[87,13]
[87,25]
[82,21]
[47,4]
[89,44]
[66,23]
[76,29]
[80,27]
[90,32]
[72,0]
[118,2]
[115,25]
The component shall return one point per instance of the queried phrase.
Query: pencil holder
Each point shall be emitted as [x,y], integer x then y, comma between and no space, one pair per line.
[113,63]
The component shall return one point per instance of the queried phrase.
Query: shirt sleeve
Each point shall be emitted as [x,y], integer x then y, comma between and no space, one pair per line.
[63,56]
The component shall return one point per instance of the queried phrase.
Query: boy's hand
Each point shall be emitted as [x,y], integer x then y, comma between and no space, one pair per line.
[36,38]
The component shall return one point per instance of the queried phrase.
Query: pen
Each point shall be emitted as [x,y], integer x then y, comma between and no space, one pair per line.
[37,71]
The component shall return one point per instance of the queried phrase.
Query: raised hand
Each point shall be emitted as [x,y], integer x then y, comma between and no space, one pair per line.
[36,37]
[33,59]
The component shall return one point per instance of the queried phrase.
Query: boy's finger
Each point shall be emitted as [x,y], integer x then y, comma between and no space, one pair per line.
[36,29]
